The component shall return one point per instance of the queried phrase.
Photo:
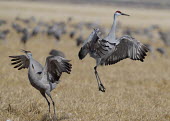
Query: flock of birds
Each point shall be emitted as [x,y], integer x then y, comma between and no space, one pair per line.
[105,48]
[31,27]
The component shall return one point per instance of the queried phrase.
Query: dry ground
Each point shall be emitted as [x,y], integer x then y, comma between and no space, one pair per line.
[135,91]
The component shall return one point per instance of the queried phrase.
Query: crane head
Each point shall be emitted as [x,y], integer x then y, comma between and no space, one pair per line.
[25,51]
[28,53]
[118,13]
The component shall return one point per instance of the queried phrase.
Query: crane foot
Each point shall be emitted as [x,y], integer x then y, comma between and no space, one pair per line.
[102,88]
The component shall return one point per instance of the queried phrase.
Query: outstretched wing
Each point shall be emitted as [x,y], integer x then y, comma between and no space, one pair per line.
[95,45]
[55,66]
[20,61]
[128,47]
[92,39]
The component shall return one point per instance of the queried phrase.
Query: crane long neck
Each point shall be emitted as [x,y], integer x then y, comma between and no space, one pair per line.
[113,29]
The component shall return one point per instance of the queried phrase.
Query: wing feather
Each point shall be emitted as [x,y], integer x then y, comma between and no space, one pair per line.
[128,47]
[95,46]
[92,39]
[55,66]
[20,61]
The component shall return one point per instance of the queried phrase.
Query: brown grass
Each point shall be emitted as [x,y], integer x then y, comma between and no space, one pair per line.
[135,91]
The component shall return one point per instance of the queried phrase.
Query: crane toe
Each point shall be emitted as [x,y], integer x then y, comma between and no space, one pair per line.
[102,88]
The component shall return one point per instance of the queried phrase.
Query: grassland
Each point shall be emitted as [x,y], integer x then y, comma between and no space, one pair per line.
[135,91]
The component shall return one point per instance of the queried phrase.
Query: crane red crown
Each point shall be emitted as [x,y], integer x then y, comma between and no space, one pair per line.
[118,12]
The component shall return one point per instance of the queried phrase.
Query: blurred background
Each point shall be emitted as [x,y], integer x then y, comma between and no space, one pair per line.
[135,91]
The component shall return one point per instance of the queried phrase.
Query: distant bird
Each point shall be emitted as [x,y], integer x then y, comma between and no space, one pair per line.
[57,35]
[56,30]
[43,79]
[110,50]
[165,36]
[91,25]
[3,34]
[72,34]
[25,36]
[162,51]
[79,40]
[50,30]
[27,20]
[35,31]
[56,53]
[17,27]
[149,47]
[148,32]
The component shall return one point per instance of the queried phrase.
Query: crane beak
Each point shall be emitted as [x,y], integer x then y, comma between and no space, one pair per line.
[125,14]
[24,51]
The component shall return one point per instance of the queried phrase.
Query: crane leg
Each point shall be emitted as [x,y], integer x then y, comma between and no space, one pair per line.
[48,93]
[96,78]
[43,94]
[100,85]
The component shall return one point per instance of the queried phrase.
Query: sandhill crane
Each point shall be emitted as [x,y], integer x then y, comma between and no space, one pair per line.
[35,31]
[56,53]
[165,37]
[162,51]
[25,36]
[3,34]
[17,27]
[149,47]
[43,79]
[79,40]
[110,50]
[91,25]
[50,30]
[57,35]
[72,34]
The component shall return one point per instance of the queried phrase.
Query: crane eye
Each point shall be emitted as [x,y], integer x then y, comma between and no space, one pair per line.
[39,72]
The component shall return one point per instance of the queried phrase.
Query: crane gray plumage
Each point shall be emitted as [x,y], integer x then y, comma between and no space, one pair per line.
[162,51]
[57,53]
[35,31]
[72,34]
[4,33]
[79,40]
[42,78]
[25,36]
[165,37]
[17,27]
[110,50]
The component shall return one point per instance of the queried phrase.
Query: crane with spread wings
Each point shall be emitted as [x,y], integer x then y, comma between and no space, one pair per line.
[44,79]
[109,50]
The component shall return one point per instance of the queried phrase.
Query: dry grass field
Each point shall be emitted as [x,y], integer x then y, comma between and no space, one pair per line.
[135,91]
